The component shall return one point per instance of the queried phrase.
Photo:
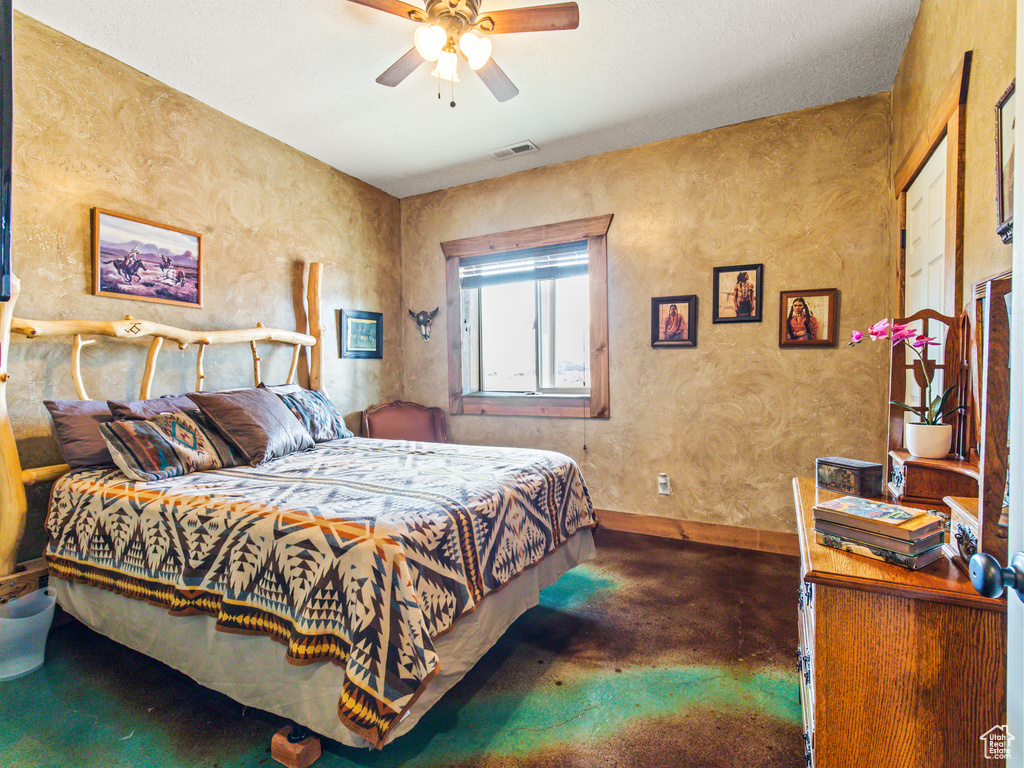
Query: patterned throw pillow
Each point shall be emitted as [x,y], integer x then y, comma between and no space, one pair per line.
[168,445]
[317,414]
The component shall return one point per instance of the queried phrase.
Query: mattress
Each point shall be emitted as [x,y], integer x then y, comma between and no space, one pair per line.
[361,553]
[253,670]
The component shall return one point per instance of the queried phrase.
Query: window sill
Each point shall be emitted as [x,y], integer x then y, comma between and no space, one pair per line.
[515,404]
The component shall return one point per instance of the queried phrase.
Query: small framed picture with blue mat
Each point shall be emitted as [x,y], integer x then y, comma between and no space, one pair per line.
[361,334]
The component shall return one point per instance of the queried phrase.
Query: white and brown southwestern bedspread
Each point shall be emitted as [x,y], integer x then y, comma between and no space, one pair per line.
[360,552]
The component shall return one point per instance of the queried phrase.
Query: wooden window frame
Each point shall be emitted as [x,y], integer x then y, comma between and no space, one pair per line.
[948,119]
[596,405]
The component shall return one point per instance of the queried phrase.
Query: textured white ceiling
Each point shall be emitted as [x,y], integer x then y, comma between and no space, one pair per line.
[635,71]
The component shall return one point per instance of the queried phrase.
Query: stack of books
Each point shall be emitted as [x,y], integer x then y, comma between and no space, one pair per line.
[902,536]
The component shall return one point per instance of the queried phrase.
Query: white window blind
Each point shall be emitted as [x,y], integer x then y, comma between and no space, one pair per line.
[544,263]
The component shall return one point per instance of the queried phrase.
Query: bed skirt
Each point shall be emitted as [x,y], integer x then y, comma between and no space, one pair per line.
[253,670]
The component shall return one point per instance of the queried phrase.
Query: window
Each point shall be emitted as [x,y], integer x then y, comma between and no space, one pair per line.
[529,312]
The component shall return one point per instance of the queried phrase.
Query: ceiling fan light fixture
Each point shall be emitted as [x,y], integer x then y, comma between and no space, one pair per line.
[477,50]
[441,37]
[430,41]
[447,66]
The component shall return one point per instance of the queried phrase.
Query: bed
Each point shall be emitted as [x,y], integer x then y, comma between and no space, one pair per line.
[345,587]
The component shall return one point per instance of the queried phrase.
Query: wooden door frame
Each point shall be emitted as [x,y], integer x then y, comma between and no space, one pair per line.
[1015,542]
[947,120]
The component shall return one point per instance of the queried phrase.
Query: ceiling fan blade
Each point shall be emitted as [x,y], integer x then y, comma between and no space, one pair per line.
[540,18]
[394,6]
[401,69]
[497,81]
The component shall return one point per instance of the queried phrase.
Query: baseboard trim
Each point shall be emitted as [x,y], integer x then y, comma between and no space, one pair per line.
[777,542]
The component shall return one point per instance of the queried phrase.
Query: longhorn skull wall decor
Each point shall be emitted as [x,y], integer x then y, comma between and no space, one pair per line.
[423,320]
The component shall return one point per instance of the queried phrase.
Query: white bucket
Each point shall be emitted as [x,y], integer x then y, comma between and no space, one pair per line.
[24,624]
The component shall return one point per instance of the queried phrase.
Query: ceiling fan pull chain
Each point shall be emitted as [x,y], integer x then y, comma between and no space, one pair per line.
[453,95]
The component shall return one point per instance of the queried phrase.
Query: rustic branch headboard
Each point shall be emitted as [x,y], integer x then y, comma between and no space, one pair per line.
[13,479]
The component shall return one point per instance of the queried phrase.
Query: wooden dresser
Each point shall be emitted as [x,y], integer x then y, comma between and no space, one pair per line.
[898,668]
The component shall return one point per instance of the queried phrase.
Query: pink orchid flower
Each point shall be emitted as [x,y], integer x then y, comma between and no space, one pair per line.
[879,330]
[932,412]
[904,334]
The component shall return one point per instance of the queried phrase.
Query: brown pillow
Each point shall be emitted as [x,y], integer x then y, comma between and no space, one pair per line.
[144,410]
[76,424]
[282,389]
[255,421]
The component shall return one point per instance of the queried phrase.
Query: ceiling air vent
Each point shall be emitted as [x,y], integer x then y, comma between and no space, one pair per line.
[512,150]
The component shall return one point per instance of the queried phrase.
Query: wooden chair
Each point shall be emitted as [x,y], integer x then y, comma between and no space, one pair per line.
[904,367]
[400,420]
[970,483]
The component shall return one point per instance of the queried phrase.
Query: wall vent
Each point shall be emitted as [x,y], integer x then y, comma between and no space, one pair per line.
[519,148]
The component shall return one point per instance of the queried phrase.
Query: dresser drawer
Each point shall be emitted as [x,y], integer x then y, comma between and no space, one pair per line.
[963,533]
[927,481]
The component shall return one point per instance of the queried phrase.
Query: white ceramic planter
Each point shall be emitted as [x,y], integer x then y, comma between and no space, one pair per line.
[928,441]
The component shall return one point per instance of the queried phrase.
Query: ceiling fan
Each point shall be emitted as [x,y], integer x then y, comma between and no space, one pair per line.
[454,26]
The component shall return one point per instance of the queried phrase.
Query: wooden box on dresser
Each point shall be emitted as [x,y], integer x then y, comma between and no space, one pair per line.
[898,668]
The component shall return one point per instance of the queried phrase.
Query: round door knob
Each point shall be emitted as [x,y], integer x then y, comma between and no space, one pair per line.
[988,577]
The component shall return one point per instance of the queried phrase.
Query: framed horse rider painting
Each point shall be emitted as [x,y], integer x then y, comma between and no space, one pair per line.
[138,259]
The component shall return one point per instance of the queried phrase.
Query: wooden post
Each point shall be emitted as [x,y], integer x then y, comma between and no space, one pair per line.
[295,364]
[76,373]
[316,327]
[200,375]
[13,504]
[257,377]
[147,375]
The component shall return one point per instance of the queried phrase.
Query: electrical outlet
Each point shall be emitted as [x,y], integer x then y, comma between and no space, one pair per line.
[664,485]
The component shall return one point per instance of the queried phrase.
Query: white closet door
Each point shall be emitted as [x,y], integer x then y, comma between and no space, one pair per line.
[926,236]
[926,251]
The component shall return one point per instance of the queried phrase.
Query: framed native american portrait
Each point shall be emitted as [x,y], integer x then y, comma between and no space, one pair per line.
[674,321]
[738,294]
[807,318]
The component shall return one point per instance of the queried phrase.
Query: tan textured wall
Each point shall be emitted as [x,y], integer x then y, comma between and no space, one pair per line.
[734,419]
[90,131]
[944,30]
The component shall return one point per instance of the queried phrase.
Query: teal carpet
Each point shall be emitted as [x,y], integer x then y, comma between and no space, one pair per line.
[656,654]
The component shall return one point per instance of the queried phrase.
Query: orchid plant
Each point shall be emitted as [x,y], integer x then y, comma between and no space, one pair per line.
[907,336]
